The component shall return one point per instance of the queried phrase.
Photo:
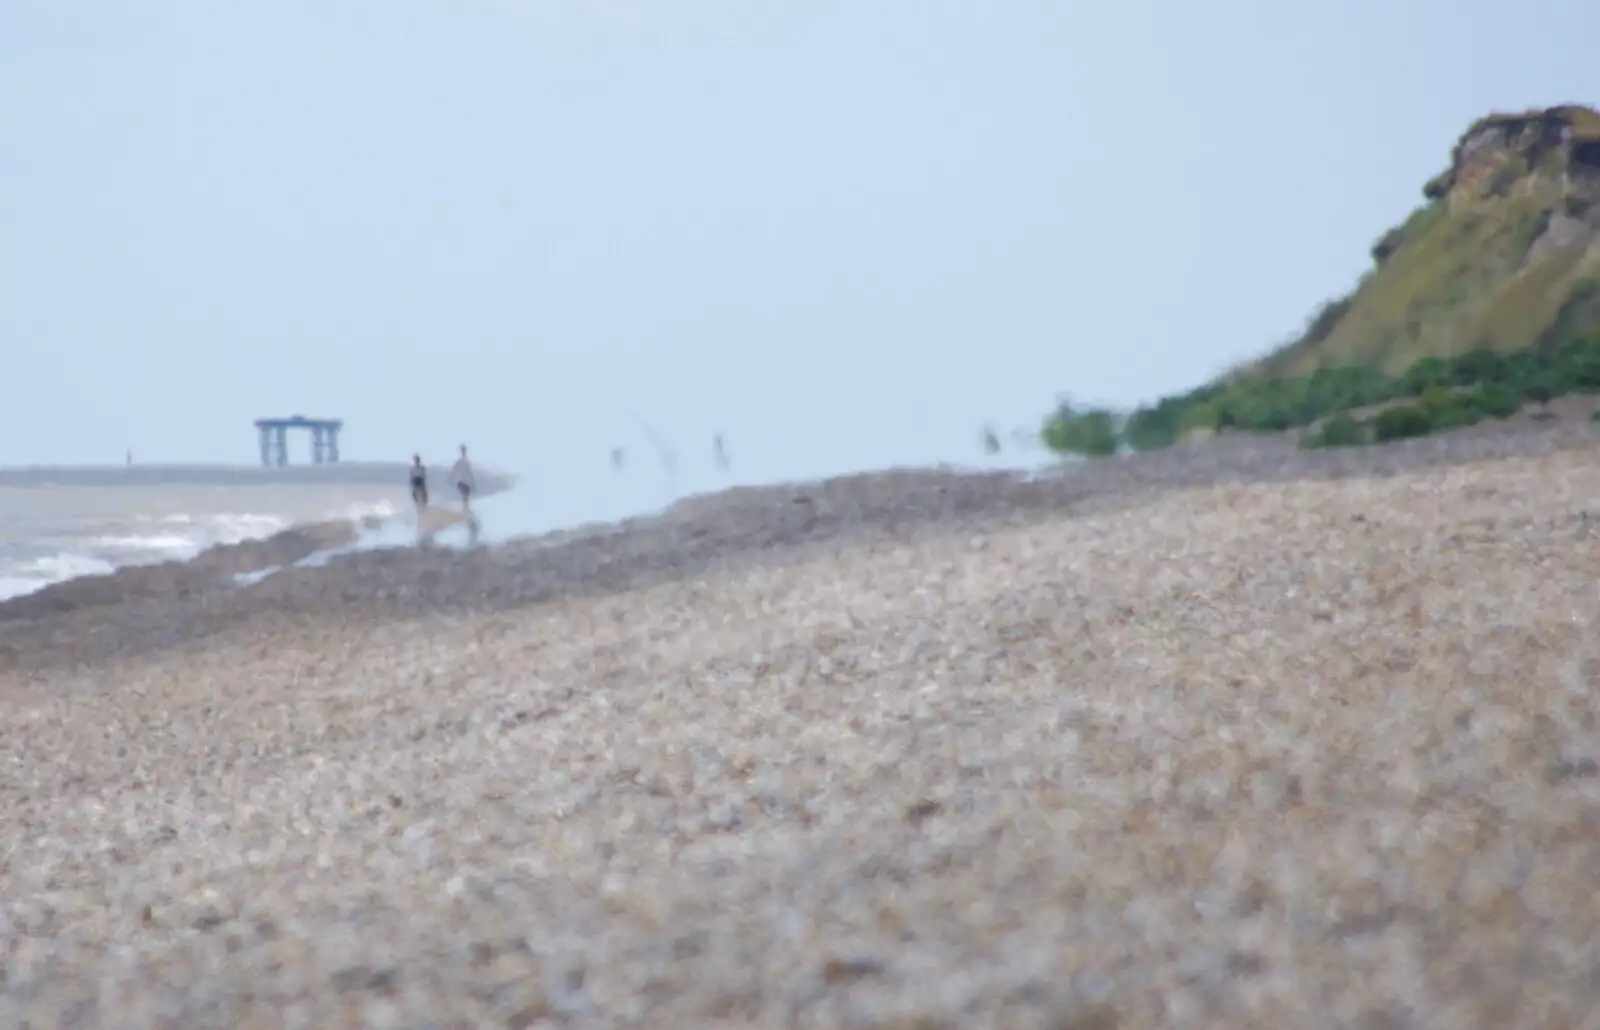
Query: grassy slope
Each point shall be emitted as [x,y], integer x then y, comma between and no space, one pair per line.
[1485,299]
[1456,276]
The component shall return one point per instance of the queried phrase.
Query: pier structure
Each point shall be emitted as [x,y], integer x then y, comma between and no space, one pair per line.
[275,439]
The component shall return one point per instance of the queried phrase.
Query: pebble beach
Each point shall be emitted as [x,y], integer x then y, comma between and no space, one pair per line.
[1233,735]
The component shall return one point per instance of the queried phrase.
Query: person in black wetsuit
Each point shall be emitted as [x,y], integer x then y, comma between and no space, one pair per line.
[419,483]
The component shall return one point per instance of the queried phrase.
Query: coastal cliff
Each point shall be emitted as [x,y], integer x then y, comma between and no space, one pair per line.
[1504,255]
[1482,305]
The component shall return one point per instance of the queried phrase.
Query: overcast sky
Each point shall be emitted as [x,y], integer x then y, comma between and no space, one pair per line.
[843,233]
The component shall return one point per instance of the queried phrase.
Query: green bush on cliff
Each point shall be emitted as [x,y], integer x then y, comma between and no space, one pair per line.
[1401,422]
[1436,399]
[1092,433]
[1453,409]
[1540,391]
[1355,386]
[1338,431]
[1425,375]
[1264,406]
[1477,366]
[1447,392]
[1577,366]
[1160,425]
[1458,414]
[1496,400]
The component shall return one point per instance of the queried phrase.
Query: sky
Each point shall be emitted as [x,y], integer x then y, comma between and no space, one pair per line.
[844,234]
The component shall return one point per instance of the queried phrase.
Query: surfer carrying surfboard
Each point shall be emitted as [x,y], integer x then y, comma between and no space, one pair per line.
[466,482]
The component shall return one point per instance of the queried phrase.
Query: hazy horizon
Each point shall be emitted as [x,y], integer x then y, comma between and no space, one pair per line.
[845,236]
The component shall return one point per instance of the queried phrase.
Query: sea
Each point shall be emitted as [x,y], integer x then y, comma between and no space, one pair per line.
[53,532]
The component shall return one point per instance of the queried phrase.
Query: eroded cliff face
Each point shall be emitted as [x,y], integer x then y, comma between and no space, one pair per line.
[1505,254]
[1551,155]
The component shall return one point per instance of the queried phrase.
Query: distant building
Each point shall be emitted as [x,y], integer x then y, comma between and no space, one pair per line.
[275,439]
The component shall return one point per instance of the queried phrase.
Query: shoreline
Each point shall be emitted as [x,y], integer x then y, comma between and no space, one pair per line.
[216,567]
[343,521]
[146,610]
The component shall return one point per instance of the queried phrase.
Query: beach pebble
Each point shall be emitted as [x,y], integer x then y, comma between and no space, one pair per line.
[1050,752]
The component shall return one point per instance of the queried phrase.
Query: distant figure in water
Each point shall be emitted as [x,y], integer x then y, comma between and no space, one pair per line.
[419,484]
[465,481]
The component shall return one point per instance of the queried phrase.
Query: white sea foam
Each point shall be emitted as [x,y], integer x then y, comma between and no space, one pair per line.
[24,577]
[100,546]
[172,544]
[245,579]
[176,537]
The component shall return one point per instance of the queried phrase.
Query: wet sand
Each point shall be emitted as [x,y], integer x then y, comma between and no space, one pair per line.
[1232,735]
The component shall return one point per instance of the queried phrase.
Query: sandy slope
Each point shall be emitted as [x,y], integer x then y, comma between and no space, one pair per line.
[1292,752]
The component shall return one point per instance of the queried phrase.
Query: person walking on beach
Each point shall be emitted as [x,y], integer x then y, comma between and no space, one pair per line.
[419,484]
[465,481]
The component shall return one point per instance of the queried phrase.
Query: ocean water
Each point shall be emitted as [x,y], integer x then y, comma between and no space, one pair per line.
[53,533]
